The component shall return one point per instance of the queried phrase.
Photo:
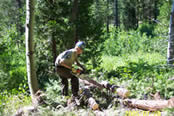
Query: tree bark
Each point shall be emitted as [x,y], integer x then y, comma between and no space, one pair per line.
[149,105]
[170,53]
[116,13]
[31,72]
[73,20]
[19,25]
[53,45]
[107,25]
[155,9]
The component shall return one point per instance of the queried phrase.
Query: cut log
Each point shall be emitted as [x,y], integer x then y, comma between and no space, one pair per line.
[92,103]
[171,102]
[87,96]
[150,105]
[156,96]
[123,93]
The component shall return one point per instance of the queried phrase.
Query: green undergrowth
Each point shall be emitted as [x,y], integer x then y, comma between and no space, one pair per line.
[143,74]
[10,103]
[57,104]
[112,62]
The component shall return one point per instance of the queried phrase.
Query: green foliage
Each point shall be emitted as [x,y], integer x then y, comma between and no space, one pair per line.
[162,26]
[10,102]
[45,66]
[122,42]
[146,72]
[50,26]
[12,59]
[147,29]
[134,59]
[128,14]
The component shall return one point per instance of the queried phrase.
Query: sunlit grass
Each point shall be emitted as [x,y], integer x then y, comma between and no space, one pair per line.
[112,62]
[12,103]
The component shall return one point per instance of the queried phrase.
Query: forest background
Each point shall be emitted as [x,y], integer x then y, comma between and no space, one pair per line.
[126,44]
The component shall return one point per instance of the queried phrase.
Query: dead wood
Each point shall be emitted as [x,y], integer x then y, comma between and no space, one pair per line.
[150,105]
[91,101]
[99,113]
[25,111]
[90,82]
[92,104]
[122,92]
[156,96]
[37,100]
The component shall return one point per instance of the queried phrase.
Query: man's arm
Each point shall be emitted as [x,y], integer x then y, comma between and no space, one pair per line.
[81,66]
[63,64]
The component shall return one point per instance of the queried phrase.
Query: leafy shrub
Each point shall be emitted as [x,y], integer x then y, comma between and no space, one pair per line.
[146,72]
[12,59]
[120,42]
[147,29]
[10,102]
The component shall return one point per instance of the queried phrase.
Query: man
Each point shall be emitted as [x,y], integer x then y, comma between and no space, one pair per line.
[64,68]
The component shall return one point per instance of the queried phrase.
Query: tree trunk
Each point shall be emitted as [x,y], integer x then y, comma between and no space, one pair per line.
[19,25]
[155,9]
[31,72]
[73,20]
[116,13]
[53,45]
[107,25]
[170,53]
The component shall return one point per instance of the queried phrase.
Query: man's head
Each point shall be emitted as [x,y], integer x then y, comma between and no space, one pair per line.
[80,46]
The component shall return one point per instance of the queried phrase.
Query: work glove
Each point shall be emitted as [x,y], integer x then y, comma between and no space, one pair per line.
[76,71]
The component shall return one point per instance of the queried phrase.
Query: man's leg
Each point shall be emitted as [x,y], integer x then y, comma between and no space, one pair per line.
[64,86]
[62,72]
[65,73]
[74,85]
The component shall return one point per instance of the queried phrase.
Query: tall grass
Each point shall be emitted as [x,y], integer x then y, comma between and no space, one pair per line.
[112,62]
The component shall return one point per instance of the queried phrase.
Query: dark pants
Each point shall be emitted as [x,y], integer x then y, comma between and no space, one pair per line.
[66,74]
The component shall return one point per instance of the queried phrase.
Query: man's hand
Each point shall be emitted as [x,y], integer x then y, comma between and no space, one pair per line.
[76,71]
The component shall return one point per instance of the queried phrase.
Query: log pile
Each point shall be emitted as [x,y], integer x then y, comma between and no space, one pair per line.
[149,105]
[86,95]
